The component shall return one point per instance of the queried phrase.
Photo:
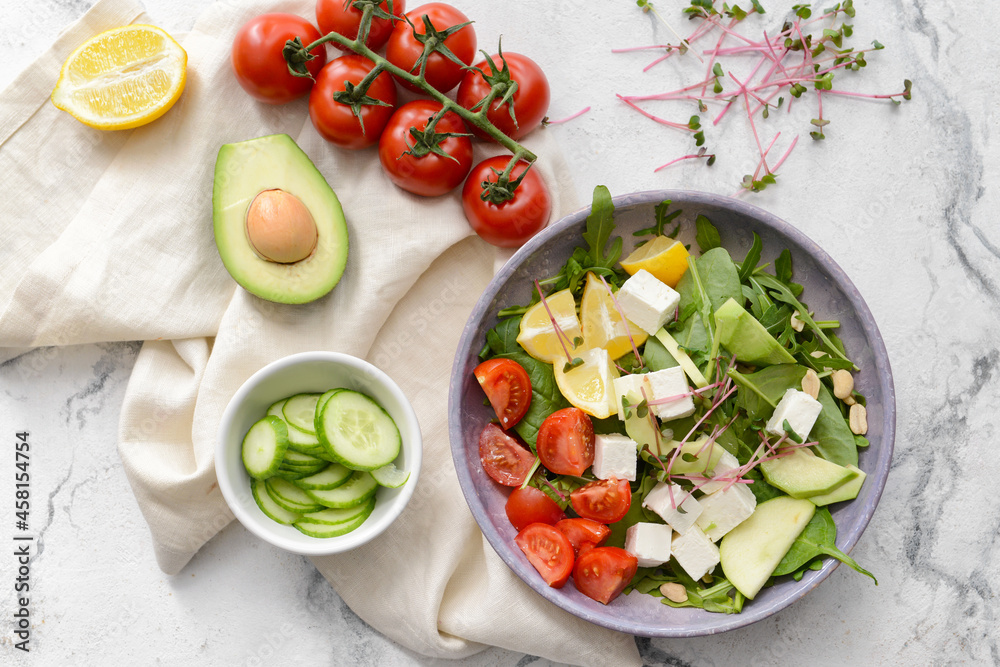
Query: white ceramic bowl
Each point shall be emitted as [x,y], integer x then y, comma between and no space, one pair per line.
[312,372]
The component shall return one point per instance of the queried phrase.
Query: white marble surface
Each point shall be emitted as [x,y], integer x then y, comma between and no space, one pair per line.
[904,199]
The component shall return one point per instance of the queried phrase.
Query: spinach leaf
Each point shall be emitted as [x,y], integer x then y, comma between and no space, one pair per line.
[706,235]
[761,489]
[752,258]
[818,538]
[655,356]
[545,395]
[719,277]
[833,434]
[693,338]
[760,392]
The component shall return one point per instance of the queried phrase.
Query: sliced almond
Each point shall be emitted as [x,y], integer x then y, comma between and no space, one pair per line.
[796,323]
[817,354]
[674,592]
[843,383]
[858,419]
[810,383]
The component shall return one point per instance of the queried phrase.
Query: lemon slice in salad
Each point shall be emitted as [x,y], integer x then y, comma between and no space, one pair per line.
[122,78]
[589,385]
[664,257]
[538,336]
[602,323]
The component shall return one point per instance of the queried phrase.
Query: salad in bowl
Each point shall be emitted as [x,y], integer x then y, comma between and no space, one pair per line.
[665,437]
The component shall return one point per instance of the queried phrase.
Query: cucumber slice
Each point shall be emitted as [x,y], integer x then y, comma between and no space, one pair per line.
[329,477]
[300,412]
[290,475]
[293,457]
[332,517]
[270,508]
[357,431]
[291,497]
[299,440]
[360,487]
[323,530]
[390,476]
[322,402]
[264,447]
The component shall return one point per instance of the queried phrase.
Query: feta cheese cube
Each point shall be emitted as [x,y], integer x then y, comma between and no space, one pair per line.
[666,383]
[615,456]
[647,302]
[799,409]
[726,464]
[724,510]
[680,517]
[694,552]
[649,543]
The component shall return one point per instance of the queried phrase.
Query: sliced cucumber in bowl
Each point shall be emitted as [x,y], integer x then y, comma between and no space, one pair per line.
[357,431]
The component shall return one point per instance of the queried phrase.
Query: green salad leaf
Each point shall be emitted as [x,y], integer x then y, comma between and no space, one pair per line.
[817,539]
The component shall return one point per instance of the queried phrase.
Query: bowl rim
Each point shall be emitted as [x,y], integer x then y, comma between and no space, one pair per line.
[846,539]
[366,531]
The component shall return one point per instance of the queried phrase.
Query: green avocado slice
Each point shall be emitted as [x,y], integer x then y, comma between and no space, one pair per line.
[275,162]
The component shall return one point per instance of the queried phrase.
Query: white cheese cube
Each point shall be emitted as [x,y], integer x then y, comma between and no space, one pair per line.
[680,515]
[726,464]
[649,543]
[666,383]
[647,302]
[724,510]
[799,409]
[694,552]
[615,456]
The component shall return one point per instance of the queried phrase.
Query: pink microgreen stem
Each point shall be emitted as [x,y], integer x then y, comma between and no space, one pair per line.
[560,335]
[568,118]
[651,47]
[693,156]
[764,156]
[628,329]
[777,165]
[697,424]
[661,121]
[693,392]
[863,95]
[554,489]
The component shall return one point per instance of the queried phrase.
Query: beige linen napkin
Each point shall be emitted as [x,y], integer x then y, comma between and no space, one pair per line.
[108,236]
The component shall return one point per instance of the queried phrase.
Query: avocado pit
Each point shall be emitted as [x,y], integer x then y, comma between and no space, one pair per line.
[280,227]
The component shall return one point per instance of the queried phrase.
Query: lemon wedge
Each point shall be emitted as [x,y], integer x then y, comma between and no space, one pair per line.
[122,78]
[602,324]
[589,385]
[664,257]
[538,336]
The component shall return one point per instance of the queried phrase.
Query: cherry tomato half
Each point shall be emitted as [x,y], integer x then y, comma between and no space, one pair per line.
[429,175]
[530,505]
[583,532]
[343,17]
[604,572]
[508,387]
[606,500]
[531,99]
[513,222]
[261,69]
[403,49]
[565,442]
[503,457]
[336,121]
[549,551]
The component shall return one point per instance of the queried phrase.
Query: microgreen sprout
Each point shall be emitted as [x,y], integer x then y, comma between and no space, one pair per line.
[560,334]
[546,121]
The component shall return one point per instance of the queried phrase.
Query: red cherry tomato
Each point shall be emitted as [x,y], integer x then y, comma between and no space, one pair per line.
[604,572]
[336,121]
[531,99]
[429,175]
[565,442]
[513,222]
[606,500]
[530,505]
[508,387]
[584,531]
[261,69]
[440,72]
[503,457]
[343,17]
[549,551]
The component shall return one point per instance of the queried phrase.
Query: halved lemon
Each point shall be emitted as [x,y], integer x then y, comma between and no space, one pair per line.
[122,78]
[589,385]
[538,335]
[664,257]
[602,323]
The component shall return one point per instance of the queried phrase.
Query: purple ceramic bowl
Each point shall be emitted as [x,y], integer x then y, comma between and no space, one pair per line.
[828,291]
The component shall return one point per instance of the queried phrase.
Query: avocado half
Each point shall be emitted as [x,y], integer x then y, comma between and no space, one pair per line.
[244,170]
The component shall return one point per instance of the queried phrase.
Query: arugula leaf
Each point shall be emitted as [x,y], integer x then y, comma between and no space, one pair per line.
[600,225]
[662,218]
[752,258]
[760,392]
[706,235]
[818,538]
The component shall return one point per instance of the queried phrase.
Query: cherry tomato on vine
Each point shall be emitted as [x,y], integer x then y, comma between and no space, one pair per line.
[503,457]
[508,387]
[548,551]
[530,505]
[343,17]
[604,572]
[530,101]
[259,65]
[404,49]
[565,442]
[335,120]
[605,500]
[511,223]
[408,160]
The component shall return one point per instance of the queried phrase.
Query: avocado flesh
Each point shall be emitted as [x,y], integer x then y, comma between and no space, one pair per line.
[740,333]
[849,490]
[243,170]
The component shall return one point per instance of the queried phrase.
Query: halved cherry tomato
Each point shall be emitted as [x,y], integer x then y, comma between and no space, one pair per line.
[606,500]
[259,64]
[343,17]
[404,50]
[336,121]
[530,505]
[530,101]
[503,457]
[603,572]
[565,442]
[549,551]
[583,532]
[508,387]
